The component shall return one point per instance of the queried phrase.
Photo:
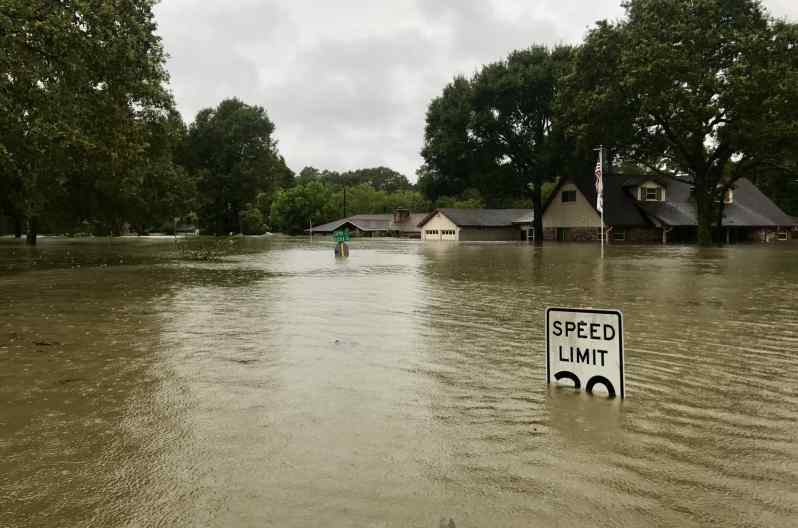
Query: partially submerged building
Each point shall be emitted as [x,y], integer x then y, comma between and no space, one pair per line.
[476,224]
[401,223]
[440,224]
[637,208]
[646,208]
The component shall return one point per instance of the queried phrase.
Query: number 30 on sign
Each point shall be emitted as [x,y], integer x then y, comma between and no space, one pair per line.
[586,348]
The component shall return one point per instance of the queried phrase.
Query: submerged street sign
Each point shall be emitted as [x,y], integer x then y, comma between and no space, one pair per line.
[585,347]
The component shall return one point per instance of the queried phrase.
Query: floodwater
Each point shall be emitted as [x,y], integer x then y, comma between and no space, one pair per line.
[278,386]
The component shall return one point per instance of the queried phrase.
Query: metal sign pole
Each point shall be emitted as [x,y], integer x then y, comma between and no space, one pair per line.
[601,162]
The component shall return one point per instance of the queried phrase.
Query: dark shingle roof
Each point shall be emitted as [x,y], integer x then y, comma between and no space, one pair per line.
[619,207]
[749,208]
[482,217]
[373,222]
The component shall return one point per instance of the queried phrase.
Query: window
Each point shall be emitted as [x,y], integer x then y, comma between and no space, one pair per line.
[781,235]
[568,196]
[651,194]
[728,196]
[432,231]
[619,234]
[447,232]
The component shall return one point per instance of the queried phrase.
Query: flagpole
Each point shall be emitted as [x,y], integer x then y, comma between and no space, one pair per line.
[601,161]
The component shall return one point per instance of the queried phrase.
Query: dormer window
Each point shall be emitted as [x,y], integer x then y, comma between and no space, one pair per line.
[651,192]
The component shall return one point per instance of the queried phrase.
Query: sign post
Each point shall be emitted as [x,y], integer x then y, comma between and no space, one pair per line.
[341,239]
[585,346]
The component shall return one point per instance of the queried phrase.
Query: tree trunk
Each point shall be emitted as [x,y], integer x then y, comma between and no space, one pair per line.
[719,222]
[30,238]
[705,220]
[537,211]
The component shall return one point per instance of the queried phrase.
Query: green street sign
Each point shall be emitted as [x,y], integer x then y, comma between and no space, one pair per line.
[342,236]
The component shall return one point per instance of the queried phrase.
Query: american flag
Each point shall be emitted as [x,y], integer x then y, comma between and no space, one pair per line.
[599,172]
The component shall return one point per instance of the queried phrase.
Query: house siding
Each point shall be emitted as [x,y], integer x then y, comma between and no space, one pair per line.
[579,213]
[439,223]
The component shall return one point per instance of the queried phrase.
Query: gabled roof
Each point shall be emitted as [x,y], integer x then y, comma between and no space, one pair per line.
[619,207]
[749,208]
[373,222]
[639,179]
[481,217]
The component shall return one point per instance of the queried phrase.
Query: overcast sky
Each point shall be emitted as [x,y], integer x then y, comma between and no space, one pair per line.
[347,82]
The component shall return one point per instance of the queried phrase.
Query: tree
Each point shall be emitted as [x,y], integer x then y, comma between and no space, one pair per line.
[78,79]
[468,199]
[498,132]
[450,154]
[307,175]
[708,88]
[252,220]
[163,190]
[293,209]
[514,119]
[231,150]
[381,178]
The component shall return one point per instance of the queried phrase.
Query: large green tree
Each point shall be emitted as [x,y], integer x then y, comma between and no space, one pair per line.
[514,119]
[498,133]
[297,208]
[77,79]
[232,152]
[704,88]
[451,161]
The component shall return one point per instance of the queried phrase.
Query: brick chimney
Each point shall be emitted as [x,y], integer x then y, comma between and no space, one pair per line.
[400,215]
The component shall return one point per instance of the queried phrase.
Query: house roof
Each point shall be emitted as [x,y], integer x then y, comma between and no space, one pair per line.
[636,180]
[749,208]
[619,207]
[482,217]
[373,222]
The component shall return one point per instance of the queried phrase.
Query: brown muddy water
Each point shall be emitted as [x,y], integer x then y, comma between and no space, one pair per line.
[279,386]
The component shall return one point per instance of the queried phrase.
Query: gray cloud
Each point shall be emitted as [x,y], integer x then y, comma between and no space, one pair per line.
[347,83]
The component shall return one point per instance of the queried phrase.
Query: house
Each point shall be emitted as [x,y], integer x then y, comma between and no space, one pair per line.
[647,208]
[401,223]
[476,224]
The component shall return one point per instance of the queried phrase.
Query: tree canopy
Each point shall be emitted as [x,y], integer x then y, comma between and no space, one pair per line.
[703,88]
[82,84]
[231,152]
[498,133]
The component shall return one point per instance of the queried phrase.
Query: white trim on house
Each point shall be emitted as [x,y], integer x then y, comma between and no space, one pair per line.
[440,227]
[659,193]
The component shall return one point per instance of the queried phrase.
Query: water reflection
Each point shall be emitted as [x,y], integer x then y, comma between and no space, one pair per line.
[281,386]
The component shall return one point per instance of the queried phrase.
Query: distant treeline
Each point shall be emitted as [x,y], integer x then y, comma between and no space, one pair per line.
[90,141]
